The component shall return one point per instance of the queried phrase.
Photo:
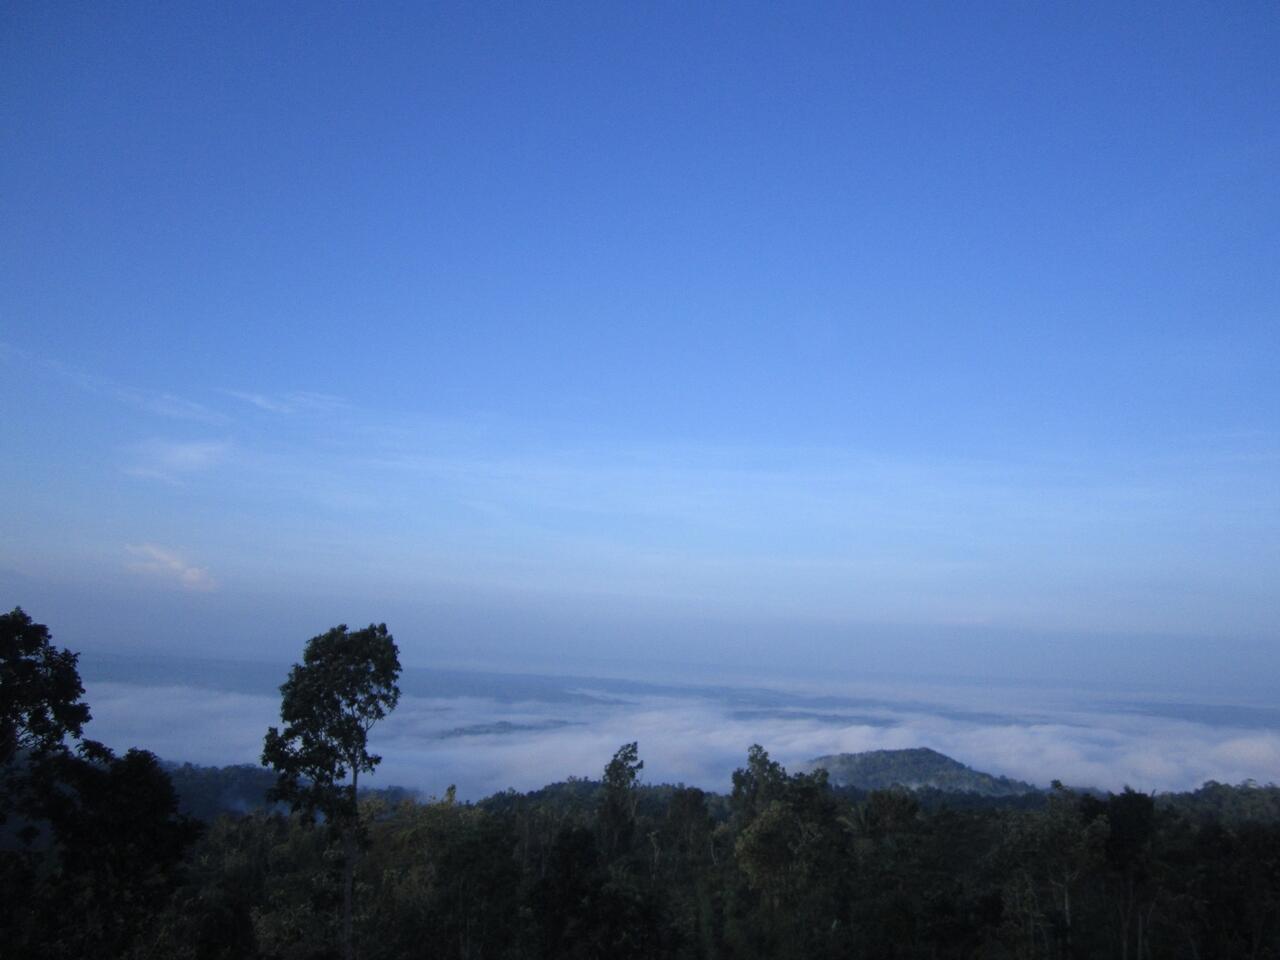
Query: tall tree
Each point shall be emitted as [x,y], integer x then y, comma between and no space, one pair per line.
[756,785]
[345,684]
[110,834]
[117,840]
[41,709]
[618,802]
[40,689]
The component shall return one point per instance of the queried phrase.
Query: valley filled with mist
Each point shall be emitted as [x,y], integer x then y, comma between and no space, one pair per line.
[486,732]
[662,481]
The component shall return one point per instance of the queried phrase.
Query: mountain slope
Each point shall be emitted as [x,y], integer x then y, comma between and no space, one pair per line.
[919,767]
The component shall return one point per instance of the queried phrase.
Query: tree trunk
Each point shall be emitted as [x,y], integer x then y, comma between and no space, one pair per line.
[348,882]
[349,869]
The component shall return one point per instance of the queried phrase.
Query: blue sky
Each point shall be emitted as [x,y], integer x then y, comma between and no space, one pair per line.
[790,334]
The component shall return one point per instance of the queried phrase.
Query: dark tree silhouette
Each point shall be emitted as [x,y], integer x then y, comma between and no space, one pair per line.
[40,690]
[345,684]
[40,711]
[618,803]
[110,836]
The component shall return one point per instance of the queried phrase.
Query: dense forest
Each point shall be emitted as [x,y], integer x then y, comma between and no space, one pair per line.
[99,860]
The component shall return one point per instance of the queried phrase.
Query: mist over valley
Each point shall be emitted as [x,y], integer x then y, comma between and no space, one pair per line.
[485,732]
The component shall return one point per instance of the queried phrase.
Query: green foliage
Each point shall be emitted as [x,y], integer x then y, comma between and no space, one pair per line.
[1247,803]
[206,792]
[345,684]
[618,800]
[442,872]
[1047,857]
[40,707]
[118,842]
[102,836]
[756,785]
[807,874]
[784,867]
[799,872]
[40,689]
[914,769]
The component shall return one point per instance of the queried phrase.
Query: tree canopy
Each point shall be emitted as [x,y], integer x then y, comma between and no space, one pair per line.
[345,684]
[96,832]
[40,689]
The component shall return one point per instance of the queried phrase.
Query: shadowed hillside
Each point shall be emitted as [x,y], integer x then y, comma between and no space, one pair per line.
[915,768]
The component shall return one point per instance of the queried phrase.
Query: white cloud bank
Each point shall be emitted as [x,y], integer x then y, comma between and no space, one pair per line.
[695,739]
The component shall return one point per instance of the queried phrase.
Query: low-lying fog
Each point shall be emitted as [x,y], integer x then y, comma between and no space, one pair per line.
[487,732]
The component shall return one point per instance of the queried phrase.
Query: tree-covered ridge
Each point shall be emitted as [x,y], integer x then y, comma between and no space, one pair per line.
[208,792]
[784,866]
[912,769]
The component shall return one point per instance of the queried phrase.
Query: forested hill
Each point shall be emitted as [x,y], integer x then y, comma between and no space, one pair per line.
[915,768]
[938,781]
[784,867]
[207,792]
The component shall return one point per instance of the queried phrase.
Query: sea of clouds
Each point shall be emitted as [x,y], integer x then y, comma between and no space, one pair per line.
[487,732]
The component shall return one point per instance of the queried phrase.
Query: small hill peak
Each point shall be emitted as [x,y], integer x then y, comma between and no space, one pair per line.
[914,768]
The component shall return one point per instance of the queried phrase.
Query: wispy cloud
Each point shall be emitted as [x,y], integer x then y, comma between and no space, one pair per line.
[159,403]
[169,405]
[167,565]
[169,460]
[301,401]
